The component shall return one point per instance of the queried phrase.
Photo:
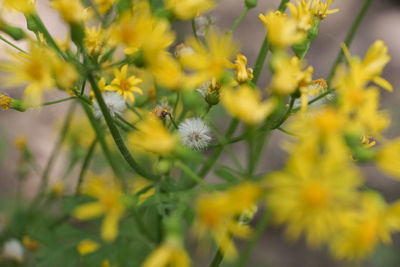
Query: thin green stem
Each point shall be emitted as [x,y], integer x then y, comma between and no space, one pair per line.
[45,176]
[287,113]
[130,125]
[85,165]
[58,101]
[195,30]
[197,179]
[12,45]
[217,258]
[287,132]
[100,137]
[244,256]
[173,122]
[133,109]
[47,35]
[206,111]
[327,92]
[349,38]
[114,131]
[217,152]
[238,20]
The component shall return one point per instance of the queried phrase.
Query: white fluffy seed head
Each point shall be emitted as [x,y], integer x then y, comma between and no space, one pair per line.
[13,250]
[115,103]
[195,133]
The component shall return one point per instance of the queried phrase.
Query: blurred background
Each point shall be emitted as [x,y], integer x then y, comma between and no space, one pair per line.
[382,21]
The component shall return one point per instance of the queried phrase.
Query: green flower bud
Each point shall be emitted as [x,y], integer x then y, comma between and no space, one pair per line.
[212,99]
[251,3]
[14,32]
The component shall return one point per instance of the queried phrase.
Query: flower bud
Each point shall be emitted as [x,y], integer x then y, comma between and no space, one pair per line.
[15,32]
[251,3]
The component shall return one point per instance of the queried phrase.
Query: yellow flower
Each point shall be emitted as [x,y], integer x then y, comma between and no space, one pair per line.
[313,89]
[65,74]
[281,30]
[58,188]
[388,158]
[63,45]
[320,9]
[245,104]
[187,9]
[169,253]
[30,244]
[312,195]
[152,136]
[370,69]
[71,11]
[303,14]
[123,85]
[87,246]
[370,224]
[288,75]
[218,213]
[242,73]
[24,6]
[109,202]
[132,30]
[103,6]
[34,69]
[94,40]
[5,102]
[209,61]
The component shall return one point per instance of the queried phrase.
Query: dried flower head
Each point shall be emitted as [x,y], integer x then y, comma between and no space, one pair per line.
[195,133]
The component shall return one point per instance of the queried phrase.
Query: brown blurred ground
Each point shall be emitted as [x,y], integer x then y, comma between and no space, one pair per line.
[382,22]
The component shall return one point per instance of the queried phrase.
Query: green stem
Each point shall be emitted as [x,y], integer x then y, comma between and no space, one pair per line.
[287,113]
[287,132]
[100,137]
[327,92]
[47,35]
[12,45]
[206,111]
[197,179]
[173,121]
[264,49]
[114,131]
[130,125]
[244,256]
[45,176]
[238,20]
[217,258]
[85,165]
[217,152]
[195,30]
[349,38]
[58,101]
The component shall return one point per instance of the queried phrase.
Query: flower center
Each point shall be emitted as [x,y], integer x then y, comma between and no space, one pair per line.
[315,195]
[124,85]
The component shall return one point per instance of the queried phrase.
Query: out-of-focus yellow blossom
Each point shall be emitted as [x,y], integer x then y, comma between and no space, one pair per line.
[320,9]
[217,214]
[370,69]
[101,84]
[370,224]
[71,11]
[157,41]
[34,69]
[132,30]
[58,188]
[94,40]
[20,142]
[63,45]
[139,184]
[288,75]
[65,73]
[209,61]
[242,73]
[82,134]
[87,246]
[103,6]
[388,158]
[169,253]
[109,203]
[312,195]
[123,85]
[303,14]
[5,102]
[245,104]
[152,136]
[30,244]
[24,6]
[313,89]
[281,30]
[187,9]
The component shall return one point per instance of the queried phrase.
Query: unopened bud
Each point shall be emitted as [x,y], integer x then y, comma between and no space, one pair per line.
[251,3]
